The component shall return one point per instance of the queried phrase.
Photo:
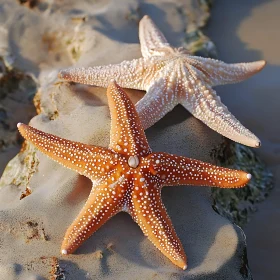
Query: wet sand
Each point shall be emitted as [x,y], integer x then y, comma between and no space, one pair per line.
[247,31]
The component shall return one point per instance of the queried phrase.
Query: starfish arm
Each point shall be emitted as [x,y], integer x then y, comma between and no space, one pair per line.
[127,134]
[177,170]
[103,202]
[151,38]
[74,155]
[205,105]
[128,74]
[149,213]
[156,103]
[217,72]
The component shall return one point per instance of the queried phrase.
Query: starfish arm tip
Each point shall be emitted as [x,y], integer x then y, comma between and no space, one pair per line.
[257,66]
[22,128]
[251,141]
[63,74]
[244,179]
[64,252]
[71,74]
[182,262]
[262,64]
[258,144]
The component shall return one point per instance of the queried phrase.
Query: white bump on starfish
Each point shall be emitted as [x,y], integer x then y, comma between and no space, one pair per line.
[133,161]
[249,176]
[172,76]
[64,252]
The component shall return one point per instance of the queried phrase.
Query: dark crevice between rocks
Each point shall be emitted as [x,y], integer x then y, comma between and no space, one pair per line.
[237,205]
[244,268]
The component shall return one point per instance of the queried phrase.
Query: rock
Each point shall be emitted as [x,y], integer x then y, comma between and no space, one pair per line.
[238,204]
[39,198]
[16,95]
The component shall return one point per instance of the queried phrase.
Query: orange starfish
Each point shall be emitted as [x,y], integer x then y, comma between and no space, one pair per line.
[128,177]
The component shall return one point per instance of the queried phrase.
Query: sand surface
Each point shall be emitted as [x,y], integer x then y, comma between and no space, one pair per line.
[247,31]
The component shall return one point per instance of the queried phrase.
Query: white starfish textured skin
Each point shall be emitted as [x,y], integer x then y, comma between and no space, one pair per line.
[172,76]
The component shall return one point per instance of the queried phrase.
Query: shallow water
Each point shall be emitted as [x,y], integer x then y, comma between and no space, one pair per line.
[247,31]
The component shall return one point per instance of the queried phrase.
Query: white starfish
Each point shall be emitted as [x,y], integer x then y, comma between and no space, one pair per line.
[172,76]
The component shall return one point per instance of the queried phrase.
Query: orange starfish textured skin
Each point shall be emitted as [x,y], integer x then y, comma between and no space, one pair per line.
[129,177]
[172,76]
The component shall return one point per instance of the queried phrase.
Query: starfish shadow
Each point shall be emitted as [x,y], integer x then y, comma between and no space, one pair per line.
[71,269]
[159,17]
[126,33]
[81,190]
[227,33]
[15,49]
[178,115]
[91,95]
[253,98]
[118,34]
[121,236]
